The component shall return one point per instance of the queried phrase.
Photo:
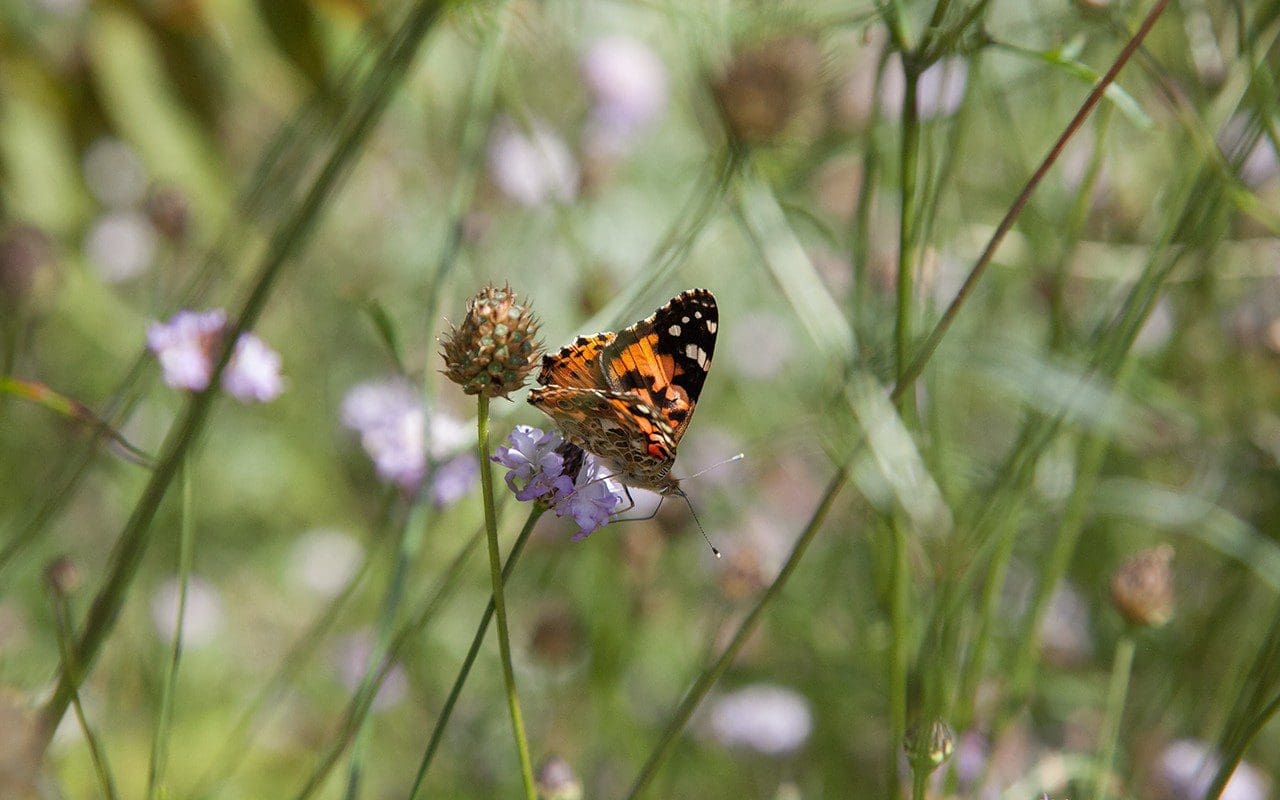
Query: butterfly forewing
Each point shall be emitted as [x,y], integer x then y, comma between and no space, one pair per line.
[665,358]
[576,364]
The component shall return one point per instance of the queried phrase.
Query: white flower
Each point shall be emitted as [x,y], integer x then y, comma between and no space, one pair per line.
[1186,767]
[772,720]
[532,168]
[202,617]
[254,372]
[939,89]
[120,245]
[323,560]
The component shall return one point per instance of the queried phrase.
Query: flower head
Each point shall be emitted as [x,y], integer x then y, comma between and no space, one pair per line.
[186,345]
[772,720]
[1142,589]
[493,350]
[531,168]
[590,500]
[389,418]
[541,465]
[533,465]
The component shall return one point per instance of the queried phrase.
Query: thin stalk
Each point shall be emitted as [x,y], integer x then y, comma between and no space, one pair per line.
[292,233]
[899,650]
[662,751]
[919,783]
[900,578]
[948,317]
[64,630]
[437,732]
[359,705]
[1121,669]
[499,602]
[160,742]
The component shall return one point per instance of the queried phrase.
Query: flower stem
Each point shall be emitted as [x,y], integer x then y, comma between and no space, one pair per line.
[1121,669]
[446,712]
[499,602]
[160,744]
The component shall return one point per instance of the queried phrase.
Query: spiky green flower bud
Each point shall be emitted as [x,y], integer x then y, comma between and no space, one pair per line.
[493,349]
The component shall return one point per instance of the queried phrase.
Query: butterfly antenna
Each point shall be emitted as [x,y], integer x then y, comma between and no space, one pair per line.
[705,470]
[698,521]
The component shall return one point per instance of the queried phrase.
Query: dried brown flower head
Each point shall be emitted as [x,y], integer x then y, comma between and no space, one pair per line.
[1142,589]
[495,347]
[765,87]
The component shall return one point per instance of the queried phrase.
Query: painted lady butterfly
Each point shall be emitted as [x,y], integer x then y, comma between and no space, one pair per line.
[627,397]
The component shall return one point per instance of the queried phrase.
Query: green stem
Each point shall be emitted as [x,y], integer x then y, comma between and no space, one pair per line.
[919,783]
[1006,224]
[499,602]
[910,158]
[898,651]
[1121,669]
[65,633]
[160,743]
[662,751]
[437,733]
[387,73]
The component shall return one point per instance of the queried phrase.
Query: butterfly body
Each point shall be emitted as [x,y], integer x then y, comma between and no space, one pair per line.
[627,397]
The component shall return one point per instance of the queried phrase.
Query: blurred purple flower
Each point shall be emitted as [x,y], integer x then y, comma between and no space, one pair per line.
[532,461]
[453,479]
[590,500]
[628,87]
[253,376]
[536,465]
[939,90]
[389,418]
[772,720]
[531,168]
[185,347]
[1186,769]
[352,660]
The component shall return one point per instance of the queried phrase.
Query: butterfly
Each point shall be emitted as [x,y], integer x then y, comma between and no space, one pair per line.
[627,397]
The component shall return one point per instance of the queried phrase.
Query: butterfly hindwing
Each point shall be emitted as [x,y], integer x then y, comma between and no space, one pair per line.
[664,358]
[619,428]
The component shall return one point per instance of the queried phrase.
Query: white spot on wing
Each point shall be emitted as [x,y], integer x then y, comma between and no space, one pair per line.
[684,320]
[711,327]
[674,330]
[697,315]
[693,351]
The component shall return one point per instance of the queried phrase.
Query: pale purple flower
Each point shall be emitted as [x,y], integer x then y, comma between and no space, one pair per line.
[389,418]
[183,345]
[186,345]
[772,720]
[628,87]
[1186,769]
[533,465]
[590,501]
[536,471]
[454,479]
[253,376]
[531,168]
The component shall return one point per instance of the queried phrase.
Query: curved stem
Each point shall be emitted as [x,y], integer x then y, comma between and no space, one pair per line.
[1121,669]
[437,733]
[499,602]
